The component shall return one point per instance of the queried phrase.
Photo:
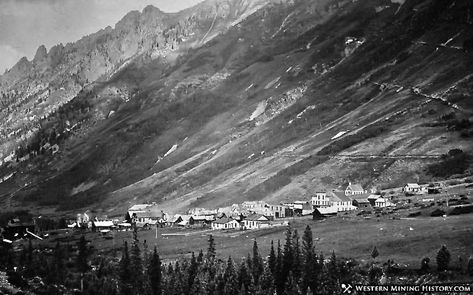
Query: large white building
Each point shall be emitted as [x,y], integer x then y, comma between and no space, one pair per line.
[320,200]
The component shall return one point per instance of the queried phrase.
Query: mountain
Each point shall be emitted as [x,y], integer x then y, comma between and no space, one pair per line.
[239,100]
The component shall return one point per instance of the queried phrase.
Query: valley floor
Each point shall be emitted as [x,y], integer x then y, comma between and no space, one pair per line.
[404,240]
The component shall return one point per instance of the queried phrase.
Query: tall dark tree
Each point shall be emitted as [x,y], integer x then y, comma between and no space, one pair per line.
[137,269]
[374,253]
[469,267]
[83,255]
[244,277]
[257,263]
[125,273]
[211,252]
[272,259]
[443,259]
[297,263]
[154,273]
[191,272]
[230,279]
[309,274]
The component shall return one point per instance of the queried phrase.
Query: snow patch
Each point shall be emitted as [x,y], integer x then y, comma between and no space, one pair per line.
[272,83]
[260,109]
[339,134]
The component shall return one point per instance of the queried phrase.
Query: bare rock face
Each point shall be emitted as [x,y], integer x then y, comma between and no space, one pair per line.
[41,54]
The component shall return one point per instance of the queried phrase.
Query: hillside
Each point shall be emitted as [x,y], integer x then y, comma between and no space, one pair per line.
[241,100]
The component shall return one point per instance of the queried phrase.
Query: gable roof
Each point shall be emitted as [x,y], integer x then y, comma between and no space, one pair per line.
[338,196]
[149,214]
[257,217]
[359,197]
[355,187]
[412,185]
[224,220]
[139,207]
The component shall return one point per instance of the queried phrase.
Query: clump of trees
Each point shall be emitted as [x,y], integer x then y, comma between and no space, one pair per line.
[454,162]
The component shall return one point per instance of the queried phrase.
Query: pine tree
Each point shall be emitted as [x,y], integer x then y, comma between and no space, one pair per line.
[83,255]
[125,274]
[211,249]
[230,279]
[136,267]
[332,282]
[296,269]
[244,277]
[310,276]
[191,273]
[154,273]
[469,267]
[374,253]
[266,285]
[443,259]
[279,279]
[257,263]
[58,264]
[272,259]
[200,257]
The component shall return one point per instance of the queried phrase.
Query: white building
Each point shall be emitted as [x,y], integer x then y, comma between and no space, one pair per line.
[383,203]
[340,201]
[412,188]
[255,221]
[354,189]
[225,223]
[320,200]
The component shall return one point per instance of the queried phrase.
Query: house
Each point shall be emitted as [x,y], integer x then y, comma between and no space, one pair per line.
[320,213]
[147,218]
[412,188]
[372,198]
[340,201]
[277,211]
[361,201]
[354,189]
[225,223]
[201,219]
[301,208]
[256,221]
[181,220]
[320,200]
[383,203]
[145,214]
[103,224]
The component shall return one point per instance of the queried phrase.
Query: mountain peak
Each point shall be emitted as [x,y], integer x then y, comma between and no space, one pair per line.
[41,54]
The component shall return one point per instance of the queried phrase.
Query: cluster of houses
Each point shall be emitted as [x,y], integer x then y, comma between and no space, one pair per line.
[246,216]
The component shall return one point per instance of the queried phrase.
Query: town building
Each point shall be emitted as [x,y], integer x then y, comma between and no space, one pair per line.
[225,223]
[256,221]
[354,189]
[412,188]
[383,203]
[340,201]
[320,200]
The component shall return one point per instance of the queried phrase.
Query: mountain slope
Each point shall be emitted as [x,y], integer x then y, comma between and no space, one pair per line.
[263,100]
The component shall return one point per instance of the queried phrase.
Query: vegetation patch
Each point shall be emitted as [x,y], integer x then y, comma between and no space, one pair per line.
[454,162]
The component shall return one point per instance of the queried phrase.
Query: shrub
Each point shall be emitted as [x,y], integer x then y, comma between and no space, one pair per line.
[443,259]
[470,266]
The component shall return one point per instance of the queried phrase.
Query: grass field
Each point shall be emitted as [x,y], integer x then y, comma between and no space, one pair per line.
[405,241]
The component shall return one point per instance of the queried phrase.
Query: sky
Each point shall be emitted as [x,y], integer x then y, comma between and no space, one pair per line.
[27,24]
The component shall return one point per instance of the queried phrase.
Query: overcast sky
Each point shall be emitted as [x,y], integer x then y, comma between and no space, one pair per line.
[27,24]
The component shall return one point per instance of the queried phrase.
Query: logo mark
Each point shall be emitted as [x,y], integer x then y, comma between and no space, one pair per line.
[346,288]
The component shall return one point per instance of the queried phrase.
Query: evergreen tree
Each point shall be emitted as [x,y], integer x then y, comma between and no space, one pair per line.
[257,263]
[424,265]
[332,278]
[279,280]
[374,253]
[83,255]
[154,273]
[191,273]
[58,264]
[200,257]
[266,284]
[244,277]
[272,259]
[443,259]
[125,274]
[230,279]
[296,269]
[136,267]
[292,288]
[211,249]
[198,287]
[309,274]
[469,267]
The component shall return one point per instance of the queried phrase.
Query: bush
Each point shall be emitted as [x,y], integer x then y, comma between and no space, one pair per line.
[443,259]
